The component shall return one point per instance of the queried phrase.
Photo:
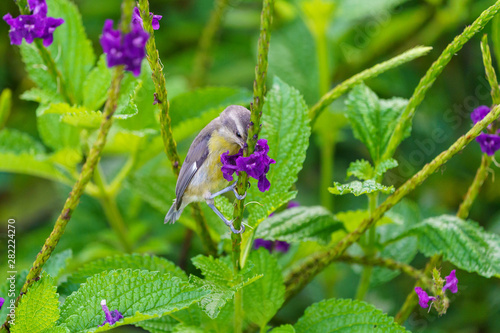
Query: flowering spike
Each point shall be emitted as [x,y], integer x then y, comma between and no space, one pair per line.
[137,19]
[35,25]
[111,316]
[479,113]
[489,143]
[451,282]
[423,298]
[2,300]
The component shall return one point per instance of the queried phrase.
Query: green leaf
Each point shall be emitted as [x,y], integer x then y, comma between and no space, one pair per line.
[124,261]
[96,85]
[55,133]
[138,295]
[283,329]
[372,119]
[353,218]
[163,324]
[220,281]
[264,297]
[361,169]
[20,153]
[76,116]
[37,70]
[71,47]
[385,165]
[300,224]
[5,105]
[358,188]
[345,315]
[463,243]
[57,263]
[38,310]
[285,125]
[41,96]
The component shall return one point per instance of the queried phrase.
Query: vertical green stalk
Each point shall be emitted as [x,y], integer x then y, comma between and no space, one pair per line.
[364,283]
[302,274]
[259,90]
[202,60]
[84,178]
[472,192]
[110,207]
[432,74]
[165,121]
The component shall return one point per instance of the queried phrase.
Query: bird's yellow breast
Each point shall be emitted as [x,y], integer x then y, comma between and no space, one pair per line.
[217,145]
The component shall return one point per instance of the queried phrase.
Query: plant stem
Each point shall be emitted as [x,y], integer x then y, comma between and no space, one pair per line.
[259,90]
[372,72]
[385,262]
[302,274]
[472,192]
[432,73]
[85,176]
[364,283]
[165,121]
[113,215]
[202,60]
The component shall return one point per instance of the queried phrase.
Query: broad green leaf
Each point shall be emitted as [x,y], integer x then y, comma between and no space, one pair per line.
[361,169]
[138,295]
[163,324]
[358,188]
[300,224]
[220,281]
[345,315]
[37,71]
[71,47]
[385,165]
[42,96]
[124,261]
[19,153]
[38,310]
[55,133]
[76,116]
[96,85]
[5,105]
[372,119]
[57,263]
[283,329]
[464,243]
[285,126]
[353,218]
[263,298]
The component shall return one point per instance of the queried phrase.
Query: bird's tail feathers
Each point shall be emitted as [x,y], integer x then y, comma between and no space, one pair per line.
[173,213]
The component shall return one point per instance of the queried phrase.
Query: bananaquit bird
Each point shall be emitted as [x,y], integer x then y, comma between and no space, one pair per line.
[201,177]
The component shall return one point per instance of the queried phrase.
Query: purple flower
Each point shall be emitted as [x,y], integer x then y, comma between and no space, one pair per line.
[451,282]
[36,25]
[489,143]
[267,244]
[111,316]
[124,49]
[423,298]
[479,113]
[281,246]
[2,300]
[137,19]
[255,165]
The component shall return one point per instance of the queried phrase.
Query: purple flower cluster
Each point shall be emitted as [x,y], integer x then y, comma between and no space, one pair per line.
[255,165]
[451,284]
[2,300]
[489,143]
[111,316]
[127,49]
[278,246]
[35,25]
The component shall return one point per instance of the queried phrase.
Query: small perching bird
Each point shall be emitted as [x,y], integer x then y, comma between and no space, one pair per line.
[201,178]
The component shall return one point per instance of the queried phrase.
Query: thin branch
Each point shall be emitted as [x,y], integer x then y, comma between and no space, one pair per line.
[303,273]
[202,60]
[433,72]
[165,121]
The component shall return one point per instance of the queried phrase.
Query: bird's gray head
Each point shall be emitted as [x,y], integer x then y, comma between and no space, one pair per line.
[235,120]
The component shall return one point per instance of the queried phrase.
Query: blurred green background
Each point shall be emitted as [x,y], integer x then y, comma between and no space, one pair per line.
[359,34]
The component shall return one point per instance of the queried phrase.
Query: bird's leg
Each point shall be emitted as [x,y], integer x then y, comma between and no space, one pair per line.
[224,219]
[231,187]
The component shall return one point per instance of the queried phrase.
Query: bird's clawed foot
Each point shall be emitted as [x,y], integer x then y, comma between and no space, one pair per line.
[225,220]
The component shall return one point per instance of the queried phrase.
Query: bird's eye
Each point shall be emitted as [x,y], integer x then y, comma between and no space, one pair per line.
[238,134]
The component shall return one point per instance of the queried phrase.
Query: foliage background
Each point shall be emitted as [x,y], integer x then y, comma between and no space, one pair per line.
[361,33]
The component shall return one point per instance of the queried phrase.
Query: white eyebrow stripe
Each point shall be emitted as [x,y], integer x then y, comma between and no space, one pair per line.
[236,120]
